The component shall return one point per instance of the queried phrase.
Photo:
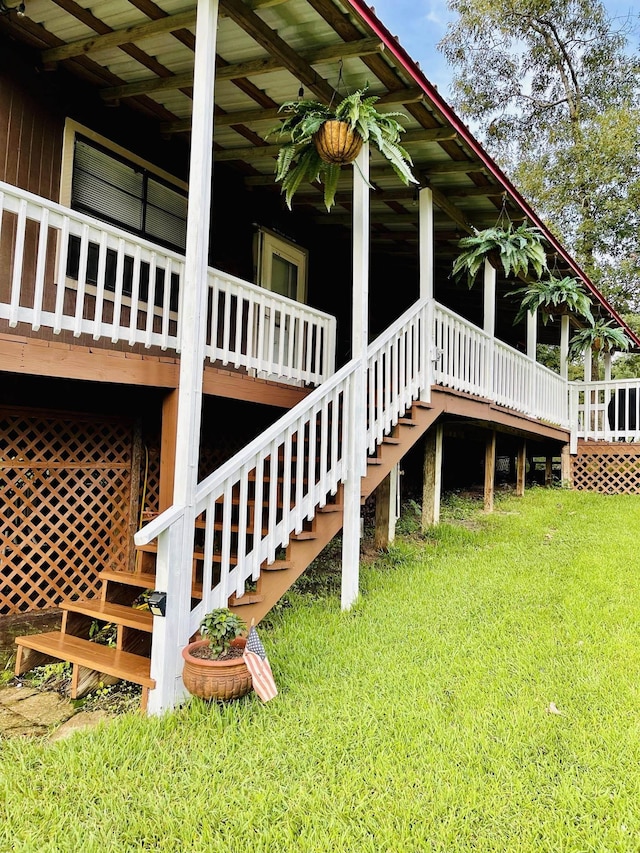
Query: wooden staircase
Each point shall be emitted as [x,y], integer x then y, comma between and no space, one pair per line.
[94,664]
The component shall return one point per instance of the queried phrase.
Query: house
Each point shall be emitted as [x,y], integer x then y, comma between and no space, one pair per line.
[185,360]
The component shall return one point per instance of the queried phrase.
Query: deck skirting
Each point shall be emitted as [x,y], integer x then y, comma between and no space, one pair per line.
[610,467]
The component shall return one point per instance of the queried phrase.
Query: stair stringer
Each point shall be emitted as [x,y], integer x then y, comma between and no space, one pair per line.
[325,525]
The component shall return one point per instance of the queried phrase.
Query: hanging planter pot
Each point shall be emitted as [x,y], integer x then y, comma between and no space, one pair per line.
[336,142]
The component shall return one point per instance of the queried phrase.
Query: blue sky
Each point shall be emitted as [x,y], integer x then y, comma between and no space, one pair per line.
[420,24]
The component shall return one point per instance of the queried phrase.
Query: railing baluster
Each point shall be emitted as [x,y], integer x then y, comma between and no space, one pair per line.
[151,300]
[166,304]
[100,283]
[18,258]
[82,280]
[41,262]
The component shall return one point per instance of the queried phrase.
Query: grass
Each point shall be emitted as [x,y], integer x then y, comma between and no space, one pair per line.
[419,721]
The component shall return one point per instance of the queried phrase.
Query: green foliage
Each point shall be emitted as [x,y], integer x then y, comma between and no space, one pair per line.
[221,627]
[518,249]
[298,160]
[555,89]
[552,294]
[599,335]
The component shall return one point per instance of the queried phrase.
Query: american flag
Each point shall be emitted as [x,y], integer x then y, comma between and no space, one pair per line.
[257,663]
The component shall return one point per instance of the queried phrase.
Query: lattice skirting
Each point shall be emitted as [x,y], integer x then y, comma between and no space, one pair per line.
[65,505]
[609,467]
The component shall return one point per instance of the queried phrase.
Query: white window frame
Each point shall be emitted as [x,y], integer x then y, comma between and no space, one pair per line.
[271,244]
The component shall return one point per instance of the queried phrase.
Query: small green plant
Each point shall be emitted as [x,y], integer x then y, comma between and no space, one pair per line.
[599,335]
[299,160]
[221,627]
[516,248]
[553,295]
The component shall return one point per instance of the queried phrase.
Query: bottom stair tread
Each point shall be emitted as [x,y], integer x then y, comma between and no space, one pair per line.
[107,611]
[91,655]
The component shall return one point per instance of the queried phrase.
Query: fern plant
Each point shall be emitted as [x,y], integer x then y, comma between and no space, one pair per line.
[518,249]
[299,161]
[552,295]
[599,335]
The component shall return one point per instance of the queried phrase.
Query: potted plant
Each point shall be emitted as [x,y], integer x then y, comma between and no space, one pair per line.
[516,249]
[213,666]
[600,335]
[553,296]
[324,138]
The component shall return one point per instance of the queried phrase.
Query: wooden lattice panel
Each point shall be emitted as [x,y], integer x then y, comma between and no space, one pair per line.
[65,486]
[609,467]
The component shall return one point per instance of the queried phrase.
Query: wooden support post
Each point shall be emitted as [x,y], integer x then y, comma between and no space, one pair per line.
[426,267]
[564,346]
[489,472]
[565,462]
[489,326]
[383,514]
[432,478]
[548,471]
[521,469]
[168,449]
[356,410]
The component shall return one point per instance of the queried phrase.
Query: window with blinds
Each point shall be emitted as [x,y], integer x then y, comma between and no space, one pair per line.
[113,189]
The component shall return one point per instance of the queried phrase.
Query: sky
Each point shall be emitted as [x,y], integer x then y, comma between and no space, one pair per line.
[420,24]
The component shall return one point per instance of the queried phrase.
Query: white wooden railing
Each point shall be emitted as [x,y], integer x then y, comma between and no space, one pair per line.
[468,359]
[65,271]
[605,411]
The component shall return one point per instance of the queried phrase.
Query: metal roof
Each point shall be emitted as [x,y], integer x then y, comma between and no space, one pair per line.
[341,46]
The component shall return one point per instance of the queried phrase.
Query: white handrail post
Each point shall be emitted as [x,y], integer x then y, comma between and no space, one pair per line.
[573,417]
[532,342]
[426,240]
[564,346]
[194,314]
[356,424]
[489,325]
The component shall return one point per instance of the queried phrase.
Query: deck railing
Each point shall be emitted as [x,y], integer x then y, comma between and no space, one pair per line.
[65,271]
[605,411]
[468,359]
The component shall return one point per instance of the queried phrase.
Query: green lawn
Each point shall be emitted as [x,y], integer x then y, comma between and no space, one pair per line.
[419,721]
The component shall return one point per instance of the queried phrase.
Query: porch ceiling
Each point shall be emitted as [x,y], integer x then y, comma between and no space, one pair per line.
[140,53]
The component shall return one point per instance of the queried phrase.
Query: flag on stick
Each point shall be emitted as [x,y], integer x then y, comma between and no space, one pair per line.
[257,663]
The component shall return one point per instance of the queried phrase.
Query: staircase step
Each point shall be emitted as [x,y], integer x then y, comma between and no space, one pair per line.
[106,611]
[142,580]
[391,439]
[303,536]
[407,422]
[331,508]
[105,659]
[247,598]
[374,460]
[276,566]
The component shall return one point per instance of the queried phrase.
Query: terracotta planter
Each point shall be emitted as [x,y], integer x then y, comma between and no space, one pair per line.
[336,143]
[215,679]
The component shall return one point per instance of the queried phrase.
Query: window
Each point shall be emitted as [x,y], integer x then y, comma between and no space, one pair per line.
[109,187]
[282,266]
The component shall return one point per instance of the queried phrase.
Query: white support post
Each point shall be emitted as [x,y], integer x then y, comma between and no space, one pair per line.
[356,425]
[489,325]
[607,367]
[169,638]
[588,360]
[532,343]
[426,250]
[564,346]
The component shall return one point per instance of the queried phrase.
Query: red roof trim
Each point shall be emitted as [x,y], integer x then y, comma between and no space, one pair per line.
[412,68]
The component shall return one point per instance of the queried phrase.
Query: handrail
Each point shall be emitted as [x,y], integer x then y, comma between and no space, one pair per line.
[607,410]
[71,272]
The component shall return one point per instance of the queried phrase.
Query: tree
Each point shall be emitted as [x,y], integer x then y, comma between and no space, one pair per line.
[556,94]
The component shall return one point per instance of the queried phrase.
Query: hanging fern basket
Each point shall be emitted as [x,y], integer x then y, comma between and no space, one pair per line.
[337,143]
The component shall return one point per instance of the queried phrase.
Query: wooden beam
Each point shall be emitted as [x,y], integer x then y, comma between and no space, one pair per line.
[521,468]
[93,44]
[450,167]
[144,87]
[448,207]
[251,116]
[270,41]
[167,449]
[432,477]
[489,471]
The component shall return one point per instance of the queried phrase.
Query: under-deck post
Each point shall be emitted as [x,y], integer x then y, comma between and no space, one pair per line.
[173,574]
[168,449]
[356,425]
[489,471]
[432,477]
[425,227]
[383,514]
[521,468]
[564,346]
[565,466]
[489,325]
